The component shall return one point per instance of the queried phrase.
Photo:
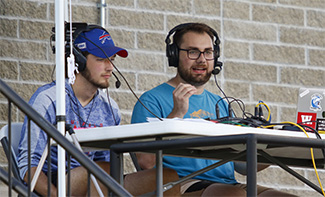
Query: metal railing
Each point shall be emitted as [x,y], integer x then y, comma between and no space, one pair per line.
[53,133]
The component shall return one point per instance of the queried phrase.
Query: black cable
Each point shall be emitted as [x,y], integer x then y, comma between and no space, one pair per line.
[217,107]
[247,113]
[255,121]
[308,127]
[110,105]
[225,96]
[117,83]
[318,136]
[238,101]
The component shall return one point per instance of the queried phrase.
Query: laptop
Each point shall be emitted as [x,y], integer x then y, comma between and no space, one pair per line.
[311,108]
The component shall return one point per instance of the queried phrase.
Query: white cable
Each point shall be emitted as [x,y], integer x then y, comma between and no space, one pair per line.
[70,19]
[71,59]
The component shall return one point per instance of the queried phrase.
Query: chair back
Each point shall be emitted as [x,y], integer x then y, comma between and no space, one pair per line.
[15,138]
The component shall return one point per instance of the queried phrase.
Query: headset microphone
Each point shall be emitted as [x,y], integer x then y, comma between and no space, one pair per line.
[118,82]
[215,71]
[217,68]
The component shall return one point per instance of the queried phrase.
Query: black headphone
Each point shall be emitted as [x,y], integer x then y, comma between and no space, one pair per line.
[172,50]
[80,59]
[77,29]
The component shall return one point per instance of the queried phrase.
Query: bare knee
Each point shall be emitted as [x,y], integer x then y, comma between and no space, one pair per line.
[104,165]
[144,181]
[170,175]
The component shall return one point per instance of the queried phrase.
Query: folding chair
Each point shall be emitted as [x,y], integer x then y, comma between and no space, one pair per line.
[15,137]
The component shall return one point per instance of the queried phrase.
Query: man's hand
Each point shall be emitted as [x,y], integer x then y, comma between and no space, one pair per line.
[181,96]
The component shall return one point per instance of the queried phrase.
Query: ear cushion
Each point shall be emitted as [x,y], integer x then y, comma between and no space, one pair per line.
[80,59]
[217,67]
[172,54]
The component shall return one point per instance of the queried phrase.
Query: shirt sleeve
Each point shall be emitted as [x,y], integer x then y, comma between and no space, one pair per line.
[45,107]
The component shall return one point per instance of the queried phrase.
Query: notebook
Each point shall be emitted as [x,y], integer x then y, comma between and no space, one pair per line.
[311,108]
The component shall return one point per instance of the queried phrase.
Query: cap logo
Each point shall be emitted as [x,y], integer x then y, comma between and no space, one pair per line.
[82,45]
[315,101]
[105,36]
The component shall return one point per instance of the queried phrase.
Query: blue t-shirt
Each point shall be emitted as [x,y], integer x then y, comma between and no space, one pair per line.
[97,113]
[160,101]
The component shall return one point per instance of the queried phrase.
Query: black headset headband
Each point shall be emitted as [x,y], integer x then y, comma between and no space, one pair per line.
[172,50]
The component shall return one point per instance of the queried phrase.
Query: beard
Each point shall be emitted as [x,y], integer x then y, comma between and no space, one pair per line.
[192,79]
[87,75]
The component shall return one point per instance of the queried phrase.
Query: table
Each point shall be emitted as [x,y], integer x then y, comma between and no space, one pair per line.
[208,140]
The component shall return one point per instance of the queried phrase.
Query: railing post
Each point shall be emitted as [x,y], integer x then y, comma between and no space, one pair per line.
[10,153]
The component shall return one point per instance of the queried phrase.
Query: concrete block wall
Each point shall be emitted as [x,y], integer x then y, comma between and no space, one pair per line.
[270,48]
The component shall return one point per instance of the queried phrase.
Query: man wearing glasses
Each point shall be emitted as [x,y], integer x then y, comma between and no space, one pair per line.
[194,52]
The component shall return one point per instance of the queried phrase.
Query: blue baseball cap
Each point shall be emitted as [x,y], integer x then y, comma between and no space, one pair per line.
[102,39]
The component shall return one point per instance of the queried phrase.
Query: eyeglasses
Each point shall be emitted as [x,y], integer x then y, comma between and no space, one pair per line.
[194,54]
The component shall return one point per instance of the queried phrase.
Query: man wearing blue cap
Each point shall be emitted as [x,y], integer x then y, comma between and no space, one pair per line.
[86,106]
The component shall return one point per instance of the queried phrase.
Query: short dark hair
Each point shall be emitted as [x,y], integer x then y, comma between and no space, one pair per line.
[193,27]
[85,53]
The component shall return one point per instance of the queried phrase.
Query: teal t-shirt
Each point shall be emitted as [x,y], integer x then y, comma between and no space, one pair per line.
[159,100]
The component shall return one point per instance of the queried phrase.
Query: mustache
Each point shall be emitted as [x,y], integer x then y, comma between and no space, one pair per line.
[201,66]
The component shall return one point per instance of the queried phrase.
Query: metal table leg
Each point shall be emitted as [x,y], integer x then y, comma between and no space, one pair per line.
[115,168]
[159,173]
[251,165]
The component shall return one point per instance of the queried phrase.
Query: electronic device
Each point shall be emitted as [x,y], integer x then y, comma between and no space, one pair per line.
[311,108]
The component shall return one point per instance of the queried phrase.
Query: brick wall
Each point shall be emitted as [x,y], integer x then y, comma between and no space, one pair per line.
[269,48]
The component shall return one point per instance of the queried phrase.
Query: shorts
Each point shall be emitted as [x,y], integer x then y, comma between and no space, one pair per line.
[199,186]
[54,178]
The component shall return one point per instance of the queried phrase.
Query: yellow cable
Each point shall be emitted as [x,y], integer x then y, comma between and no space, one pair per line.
[302,129]
[311,152]
[266,126]
[268,109]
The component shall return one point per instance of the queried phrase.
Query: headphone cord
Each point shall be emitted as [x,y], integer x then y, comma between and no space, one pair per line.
[110,105]
[225,96]
[127,83]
